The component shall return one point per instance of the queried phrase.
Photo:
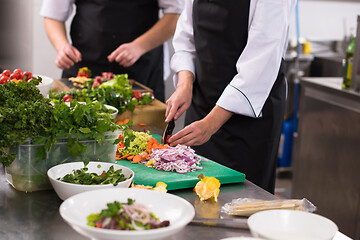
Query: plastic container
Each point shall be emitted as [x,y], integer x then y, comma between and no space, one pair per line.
[28,172]
[286,142]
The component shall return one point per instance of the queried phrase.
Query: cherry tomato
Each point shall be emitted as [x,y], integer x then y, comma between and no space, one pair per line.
[67,98]
[6,73]
[137,95]
[4,79]
[18,73]
[28,75]
[13,76]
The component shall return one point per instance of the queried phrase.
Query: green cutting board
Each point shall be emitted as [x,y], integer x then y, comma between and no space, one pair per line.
[150,176]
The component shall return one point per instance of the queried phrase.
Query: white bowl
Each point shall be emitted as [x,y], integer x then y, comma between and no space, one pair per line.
[291,224]
[65,190]
[166,206]
[45,85]
[113,108]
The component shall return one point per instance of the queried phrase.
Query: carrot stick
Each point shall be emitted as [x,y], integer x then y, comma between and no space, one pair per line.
[136,159]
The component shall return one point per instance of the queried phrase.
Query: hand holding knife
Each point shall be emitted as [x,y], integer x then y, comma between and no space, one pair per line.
[168,131]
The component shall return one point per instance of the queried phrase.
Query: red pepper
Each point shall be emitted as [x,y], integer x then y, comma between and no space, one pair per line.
[98,225]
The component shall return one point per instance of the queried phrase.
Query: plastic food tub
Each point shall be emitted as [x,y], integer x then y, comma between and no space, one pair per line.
[28,172]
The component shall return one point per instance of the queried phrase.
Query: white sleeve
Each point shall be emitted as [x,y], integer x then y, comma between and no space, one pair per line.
[171,6]
[183,43]
[259,63]
[57,9]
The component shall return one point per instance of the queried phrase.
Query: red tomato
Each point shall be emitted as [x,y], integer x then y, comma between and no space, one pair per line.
[28,75]
[13,76]
[4,79]
[67,97]
[18,73]
[137,95]
[6,72]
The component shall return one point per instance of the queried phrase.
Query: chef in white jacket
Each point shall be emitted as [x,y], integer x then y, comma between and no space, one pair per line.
[230,81]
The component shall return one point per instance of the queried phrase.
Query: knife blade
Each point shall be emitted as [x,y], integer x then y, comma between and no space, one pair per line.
[168,131]
[216,222]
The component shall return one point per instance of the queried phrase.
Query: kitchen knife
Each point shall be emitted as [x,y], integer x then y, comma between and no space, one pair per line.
[168,131]
[222,222]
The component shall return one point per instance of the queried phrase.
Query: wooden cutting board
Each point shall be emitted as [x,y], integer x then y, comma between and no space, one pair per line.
[150,176]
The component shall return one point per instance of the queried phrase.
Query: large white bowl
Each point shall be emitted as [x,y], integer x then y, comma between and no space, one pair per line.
[65,190]
[291,224]
[166,206]
[45,85]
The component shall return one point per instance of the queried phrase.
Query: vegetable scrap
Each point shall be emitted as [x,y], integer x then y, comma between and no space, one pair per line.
[207,187]
[160,187]
[128,215]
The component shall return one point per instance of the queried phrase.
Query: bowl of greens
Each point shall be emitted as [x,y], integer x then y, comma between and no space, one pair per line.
[72,178]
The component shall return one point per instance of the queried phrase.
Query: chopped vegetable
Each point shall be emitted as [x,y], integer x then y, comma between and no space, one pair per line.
[181,159]
[207,187]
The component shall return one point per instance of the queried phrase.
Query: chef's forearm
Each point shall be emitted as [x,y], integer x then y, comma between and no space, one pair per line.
[56,32]
[217,117]
[159,33]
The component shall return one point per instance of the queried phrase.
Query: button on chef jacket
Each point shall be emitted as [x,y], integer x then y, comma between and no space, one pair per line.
[108,24]
[235,49]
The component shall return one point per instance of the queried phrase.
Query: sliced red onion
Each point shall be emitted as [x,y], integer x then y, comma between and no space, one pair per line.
[181,159]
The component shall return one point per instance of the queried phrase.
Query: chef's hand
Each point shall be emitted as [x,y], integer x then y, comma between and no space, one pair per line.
[199,132]
[67,56]
[180,100]
[126,54]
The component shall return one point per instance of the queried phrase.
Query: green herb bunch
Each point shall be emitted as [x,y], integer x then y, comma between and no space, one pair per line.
[24,114]
[77,122]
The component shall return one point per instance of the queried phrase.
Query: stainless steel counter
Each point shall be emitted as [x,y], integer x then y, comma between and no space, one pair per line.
[326,152]
[35,216]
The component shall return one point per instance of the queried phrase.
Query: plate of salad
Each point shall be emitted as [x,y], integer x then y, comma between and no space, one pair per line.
[126,213]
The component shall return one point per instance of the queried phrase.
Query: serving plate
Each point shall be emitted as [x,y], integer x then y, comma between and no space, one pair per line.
[165,206]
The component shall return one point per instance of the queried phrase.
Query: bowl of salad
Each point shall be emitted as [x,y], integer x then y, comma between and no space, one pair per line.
[72,178]
[126,213]
[45,85]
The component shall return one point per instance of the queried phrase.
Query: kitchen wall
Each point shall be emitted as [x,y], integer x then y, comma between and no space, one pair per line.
[319,20]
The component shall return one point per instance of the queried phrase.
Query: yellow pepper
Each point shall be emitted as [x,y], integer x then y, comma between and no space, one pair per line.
[207,187]
[160,187]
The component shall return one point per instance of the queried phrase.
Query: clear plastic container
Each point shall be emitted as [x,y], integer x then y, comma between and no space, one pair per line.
[28,172]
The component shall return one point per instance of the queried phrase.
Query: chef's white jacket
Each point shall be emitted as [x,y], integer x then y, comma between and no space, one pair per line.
[259,63]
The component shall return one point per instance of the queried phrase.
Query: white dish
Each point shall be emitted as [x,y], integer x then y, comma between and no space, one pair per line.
[291,224]
[75,210]
[242,238]
[45,85]
[65,190]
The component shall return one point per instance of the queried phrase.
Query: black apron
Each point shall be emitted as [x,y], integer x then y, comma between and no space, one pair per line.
[101,26]
[246,144]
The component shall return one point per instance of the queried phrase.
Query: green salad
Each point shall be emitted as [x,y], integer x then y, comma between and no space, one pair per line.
[82,176]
